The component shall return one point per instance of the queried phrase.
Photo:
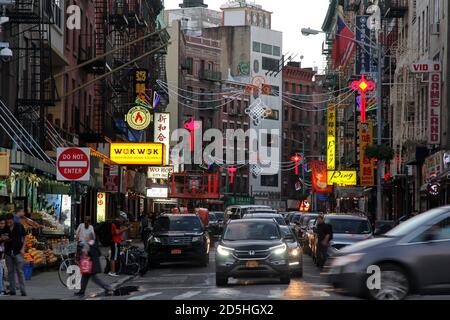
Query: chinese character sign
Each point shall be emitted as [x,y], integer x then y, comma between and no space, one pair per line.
[367,177]
[140,82]
[331,137]
[162,132]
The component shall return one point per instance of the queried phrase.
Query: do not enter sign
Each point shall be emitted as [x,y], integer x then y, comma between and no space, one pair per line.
[73,164]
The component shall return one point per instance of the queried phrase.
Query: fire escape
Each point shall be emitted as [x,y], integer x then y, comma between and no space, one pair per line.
[31,21]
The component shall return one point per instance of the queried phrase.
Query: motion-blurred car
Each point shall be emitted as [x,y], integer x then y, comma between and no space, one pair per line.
[252,248]
[412,258]
[295,252]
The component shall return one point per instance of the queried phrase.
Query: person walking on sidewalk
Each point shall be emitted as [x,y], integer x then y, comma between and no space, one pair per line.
[3,237]
[117,230]
[144,227]
[93,252]
[324,237]
[14,250]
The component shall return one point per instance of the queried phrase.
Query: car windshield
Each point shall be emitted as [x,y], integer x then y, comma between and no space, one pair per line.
[212,217]
[349,226]
[178,223]
[306,220]
[251,230]
[412,224]
[296,218]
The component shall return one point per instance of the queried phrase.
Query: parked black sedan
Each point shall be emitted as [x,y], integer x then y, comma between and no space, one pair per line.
[252,248]
[178,238]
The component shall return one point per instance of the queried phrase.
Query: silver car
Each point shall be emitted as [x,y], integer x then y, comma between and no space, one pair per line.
[414,257]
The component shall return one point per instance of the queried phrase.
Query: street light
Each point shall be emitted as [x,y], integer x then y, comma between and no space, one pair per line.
[379,48]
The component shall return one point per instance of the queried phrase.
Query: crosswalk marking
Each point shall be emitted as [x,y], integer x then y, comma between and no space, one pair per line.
[186,295]
[320,294]
[145,296]
[275,294]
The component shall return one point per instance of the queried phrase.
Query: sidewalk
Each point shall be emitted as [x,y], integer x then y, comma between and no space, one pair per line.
[46,285]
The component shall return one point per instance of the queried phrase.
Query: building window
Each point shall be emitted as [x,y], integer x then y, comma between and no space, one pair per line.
[266,48]
[276,51]
[190,65]
[256,46]
[269,181]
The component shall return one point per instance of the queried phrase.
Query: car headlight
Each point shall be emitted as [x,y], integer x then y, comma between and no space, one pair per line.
[295,252]
[279,249]
[224,251]
[341,261]
[196,239]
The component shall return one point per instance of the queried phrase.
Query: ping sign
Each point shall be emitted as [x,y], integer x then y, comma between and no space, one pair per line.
[73,164]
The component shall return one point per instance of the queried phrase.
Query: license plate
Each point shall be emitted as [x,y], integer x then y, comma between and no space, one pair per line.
[252,264]
[175,251]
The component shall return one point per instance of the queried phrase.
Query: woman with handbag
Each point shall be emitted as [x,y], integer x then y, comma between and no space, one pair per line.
[90,266]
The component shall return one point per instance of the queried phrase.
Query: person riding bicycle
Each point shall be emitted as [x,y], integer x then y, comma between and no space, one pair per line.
[324,237]
[117,230]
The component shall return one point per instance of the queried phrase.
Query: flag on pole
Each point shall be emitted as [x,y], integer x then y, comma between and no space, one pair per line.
[344,45]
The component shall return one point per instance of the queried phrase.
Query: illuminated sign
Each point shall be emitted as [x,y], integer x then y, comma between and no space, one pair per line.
[331,137]
[367,177]
[342,178]
[363,86]
[305,206]
[137,153]
[158,193]
[101,207]
[162,132]
[159,172]
[319,177]
[138,118]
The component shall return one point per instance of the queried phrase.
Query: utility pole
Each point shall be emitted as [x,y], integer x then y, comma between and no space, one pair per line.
[380,214]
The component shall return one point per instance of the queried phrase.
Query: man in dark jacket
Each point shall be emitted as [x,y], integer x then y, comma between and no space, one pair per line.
[324,236]
[94,253]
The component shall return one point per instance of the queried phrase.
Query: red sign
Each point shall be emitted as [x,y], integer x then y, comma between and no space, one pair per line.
[73,164]
[434,109]
[319,177]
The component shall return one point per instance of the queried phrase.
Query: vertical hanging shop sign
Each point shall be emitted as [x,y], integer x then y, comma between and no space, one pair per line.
[434,110]
[367,177]
[101,207]
[363,59]
[319,177]
[140,83]
[331,137]
[162,132]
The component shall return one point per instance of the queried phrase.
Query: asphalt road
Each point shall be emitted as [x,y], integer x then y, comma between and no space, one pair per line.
[185,282]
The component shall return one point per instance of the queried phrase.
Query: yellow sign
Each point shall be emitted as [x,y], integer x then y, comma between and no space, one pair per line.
[342,178]
[138,118]
[366,175]
[101,207]
[331,137]
[150,154]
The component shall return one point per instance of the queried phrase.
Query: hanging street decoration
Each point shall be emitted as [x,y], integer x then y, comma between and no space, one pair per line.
[296,159]
[192,126]
[138,118]
[232,172]
[363,86]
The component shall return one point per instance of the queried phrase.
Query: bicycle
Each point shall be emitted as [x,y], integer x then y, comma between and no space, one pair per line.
[67,254]
[129,259]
